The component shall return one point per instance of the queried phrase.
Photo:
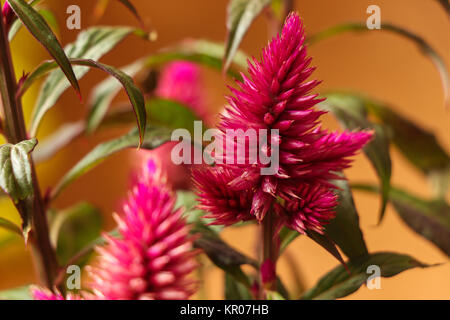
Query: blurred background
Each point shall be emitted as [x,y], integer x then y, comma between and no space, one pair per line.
[383,66]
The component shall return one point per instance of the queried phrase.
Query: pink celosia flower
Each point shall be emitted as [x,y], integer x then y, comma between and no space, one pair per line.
[226,206]
[276,95]
[155,255]
[181,81]
[45,294]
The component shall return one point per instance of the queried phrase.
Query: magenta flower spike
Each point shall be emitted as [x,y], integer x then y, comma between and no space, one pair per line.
[155,256]
[45,294]
[277,95]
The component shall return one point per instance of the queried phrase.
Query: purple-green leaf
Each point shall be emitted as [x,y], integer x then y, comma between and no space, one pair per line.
[351,112]
[154,137]
[39,28]
[339,283]
[240,15]
[429,218]
[92,44]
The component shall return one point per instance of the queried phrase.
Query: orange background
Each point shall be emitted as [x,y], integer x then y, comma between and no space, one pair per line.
[380,64]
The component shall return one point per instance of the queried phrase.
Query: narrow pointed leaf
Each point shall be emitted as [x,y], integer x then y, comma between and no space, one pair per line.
[418,145]
[240,15]
[423,46]
[446,5]
[325,242]
[131,7]
[351,113]
[134,94]
[48,16]
[91,44]
[8,225]
[339,283]
[154,137]
[344,229]
[104,93]
[430,219]
[223,256]
[39,28]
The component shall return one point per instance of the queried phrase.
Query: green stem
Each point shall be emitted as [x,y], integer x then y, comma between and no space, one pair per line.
[14,129]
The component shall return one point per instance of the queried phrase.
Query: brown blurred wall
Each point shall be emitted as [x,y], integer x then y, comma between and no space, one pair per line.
[381,65]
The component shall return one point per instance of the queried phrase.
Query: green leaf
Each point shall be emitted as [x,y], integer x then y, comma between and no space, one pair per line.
[240,16]
[154,137]
[15,174]
[327,243]
[104,93]
[351,112]
[202,52]
[430,219]
[74,228]
[234,290]
[134,94]
[20,293]
[36,24]
[8,225]
[344,230]
[46,14]
[60,138]
[339,283]
[425,153]
[92,44]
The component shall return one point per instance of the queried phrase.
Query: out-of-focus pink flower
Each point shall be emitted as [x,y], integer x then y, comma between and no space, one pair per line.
[45,294]
[181,81]
[155,256]
[276,95]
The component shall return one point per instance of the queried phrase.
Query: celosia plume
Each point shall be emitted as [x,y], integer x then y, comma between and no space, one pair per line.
[155,256]
[277,95]
[45,294]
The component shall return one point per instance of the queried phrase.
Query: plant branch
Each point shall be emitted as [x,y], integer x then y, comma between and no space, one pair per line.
[15,132]
[270,246]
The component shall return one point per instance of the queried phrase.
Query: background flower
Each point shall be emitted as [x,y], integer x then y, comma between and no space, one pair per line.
[155,255]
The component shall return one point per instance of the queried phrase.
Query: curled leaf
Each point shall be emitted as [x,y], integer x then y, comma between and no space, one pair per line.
[39,28]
